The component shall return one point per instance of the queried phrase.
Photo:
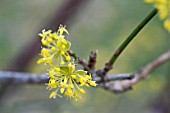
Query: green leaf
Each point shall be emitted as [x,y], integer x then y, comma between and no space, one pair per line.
[68,45]
[80,72]
[64,69]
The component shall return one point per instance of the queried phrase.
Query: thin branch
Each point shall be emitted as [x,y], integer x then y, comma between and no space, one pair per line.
[90,66]
[144,72]
[92,60]
[140,75]
[121,48]
[72,54]
[27,78]
[114,77]
[23,78]
[81,61]
[116,87]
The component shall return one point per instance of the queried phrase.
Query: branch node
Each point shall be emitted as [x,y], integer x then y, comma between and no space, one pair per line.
[92,60]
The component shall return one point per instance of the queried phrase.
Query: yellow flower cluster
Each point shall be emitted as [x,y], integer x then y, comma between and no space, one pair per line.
[64,78]
[163,7]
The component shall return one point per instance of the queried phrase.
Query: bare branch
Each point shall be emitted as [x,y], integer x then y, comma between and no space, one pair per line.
[27,78]
[92,60]
[117,86]
[81,61]
[114,77]
[23,78]
[140,75]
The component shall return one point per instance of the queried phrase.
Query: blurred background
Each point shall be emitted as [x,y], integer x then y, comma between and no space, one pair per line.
[93,25]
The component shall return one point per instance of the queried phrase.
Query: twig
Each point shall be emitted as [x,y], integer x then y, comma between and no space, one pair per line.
[140,75]
[81,61]
[71,53]
[92,60]
[27,78]
[23,78]
[119,50]
[116,87]
[114,77]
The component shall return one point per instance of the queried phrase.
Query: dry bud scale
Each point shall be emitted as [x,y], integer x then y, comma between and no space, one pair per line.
[64,80]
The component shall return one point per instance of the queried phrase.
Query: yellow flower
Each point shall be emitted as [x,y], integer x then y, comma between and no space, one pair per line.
[82,90]
[69,81]
[52,83]
[56,47]
[71,85]
[62,29]
[46,60]
[93,83]
[163,7]
[167,24]
[44,33]
[47,57]
[54,94]
[63,76]
[69,93]
[63,85]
